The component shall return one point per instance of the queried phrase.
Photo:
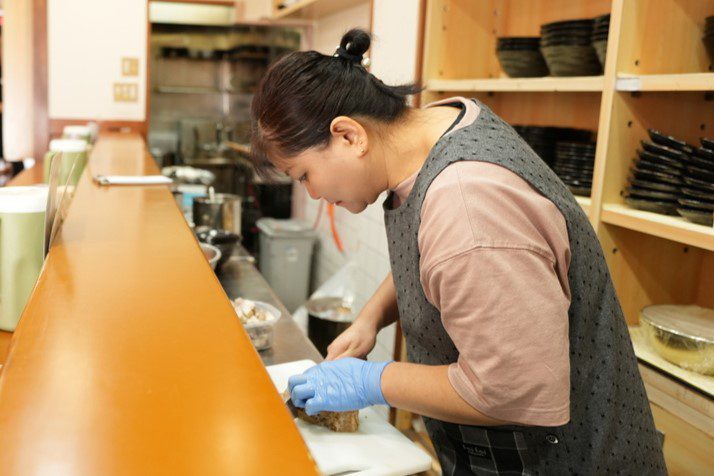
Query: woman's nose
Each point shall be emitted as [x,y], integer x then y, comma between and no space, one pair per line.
[312,193]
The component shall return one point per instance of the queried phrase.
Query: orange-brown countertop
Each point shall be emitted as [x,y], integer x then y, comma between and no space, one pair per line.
[128,358]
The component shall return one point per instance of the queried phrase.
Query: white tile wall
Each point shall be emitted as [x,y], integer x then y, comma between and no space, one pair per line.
[364,240]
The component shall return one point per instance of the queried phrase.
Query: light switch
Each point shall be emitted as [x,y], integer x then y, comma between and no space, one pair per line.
[129,66]
[126,92]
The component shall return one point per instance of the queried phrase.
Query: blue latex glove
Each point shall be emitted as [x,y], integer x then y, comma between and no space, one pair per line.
[339,386]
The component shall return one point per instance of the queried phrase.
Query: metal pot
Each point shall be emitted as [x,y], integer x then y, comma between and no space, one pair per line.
[328,317]
[221,211]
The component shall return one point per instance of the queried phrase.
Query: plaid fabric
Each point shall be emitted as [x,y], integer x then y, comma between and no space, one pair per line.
[467,450]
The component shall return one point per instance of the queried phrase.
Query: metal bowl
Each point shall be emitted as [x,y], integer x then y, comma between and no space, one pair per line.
[212,254]
[683,335]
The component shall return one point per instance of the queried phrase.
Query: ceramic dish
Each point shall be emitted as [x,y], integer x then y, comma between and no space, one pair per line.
[697,216]
[660,159]
[697,194]
[643,164]
[656,206]
[707,143]
[669,141]
[663,150]
[656,176]
[637,192]
[699,184]
[660,187]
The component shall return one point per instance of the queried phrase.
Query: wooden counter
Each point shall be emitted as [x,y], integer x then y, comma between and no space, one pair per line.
[128,358]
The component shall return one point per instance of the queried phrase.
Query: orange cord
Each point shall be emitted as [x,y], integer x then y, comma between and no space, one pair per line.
[335,235]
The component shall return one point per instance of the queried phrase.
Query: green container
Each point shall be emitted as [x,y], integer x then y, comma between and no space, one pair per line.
[70,153]
[22,227]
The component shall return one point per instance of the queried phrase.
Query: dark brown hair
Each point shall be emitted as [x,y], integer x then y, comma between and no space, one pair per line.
[303,92]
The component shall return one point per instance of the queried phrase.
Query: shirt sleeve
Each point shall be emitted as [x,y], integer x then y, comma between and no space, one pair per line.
[501,294]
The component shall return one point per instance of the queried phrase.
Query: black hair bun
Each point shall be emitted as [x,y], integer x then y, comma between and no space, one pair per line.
[356,42]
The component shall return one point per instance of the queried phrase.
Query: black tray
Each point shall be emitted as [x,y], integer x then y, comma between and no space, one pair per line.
[663,150]
[663,207]
[655,176]
[644,164]
[669,141]
[697,194]
[661,187]
[697,216]
[660,159]
[650,194]
[696,204]
[700,184]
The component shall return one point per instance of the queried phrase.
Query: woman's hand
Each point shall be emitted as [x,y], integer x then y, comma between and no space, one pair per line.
[339,386]
[358,340]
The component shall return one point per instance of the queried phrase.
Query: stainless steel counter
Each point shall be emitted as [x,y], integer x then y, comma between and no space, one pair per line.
[240,278]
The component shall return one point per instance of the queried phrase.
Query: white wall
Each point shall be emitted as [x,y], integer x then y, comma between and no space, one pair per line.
[393,54]
[86,41]
[18,97]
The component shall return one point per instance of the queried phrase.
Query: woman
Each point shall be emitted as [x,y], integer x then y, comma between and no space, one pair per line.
[520,360]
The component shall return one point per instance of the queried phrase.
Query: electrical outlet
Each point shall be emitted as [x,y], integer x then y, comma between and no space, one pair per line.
[126,92]
[130,66]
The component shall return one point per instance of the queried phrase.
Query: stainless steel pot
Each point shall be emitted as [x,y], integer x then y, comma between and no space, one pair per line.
[328,317]
[221,211]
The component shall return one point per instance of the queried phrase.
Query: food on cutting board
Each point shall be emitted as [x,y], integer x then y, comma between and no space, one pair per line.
[342,422]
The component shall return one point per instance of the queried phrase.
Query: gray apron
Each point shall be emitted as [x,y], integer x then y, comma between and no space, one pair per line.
[611,430]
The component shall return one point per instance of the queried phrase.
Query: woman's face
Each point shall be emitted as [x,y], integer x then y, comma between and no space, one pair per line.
[343,172]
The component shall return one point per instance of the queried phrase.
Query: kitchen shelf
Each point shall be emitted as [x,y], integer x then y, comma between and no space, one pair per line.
[548,84]
[665,82]
[585,202]
[313,9]
[663,226]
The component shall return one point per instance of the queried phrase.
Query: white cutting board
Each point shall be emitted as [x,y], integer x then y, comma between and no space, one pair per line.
[377,448]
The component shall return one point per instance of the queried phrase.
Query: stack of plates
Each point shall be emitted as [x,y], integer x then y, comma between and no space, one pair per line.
[520,56]
[696,202]
[543,140]
[574,165]
[567,48]
[601,27]
[672,177]
[709,37]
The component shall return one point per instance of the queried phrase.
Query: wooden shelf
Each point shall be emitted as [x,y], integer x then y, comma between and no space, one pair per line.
[313,9]
[585,202]
[663,226]
[665,82]
[549,84]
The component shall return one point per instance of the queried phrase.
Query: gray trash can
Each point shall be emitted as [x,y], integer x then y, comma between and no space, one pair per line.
[286,257]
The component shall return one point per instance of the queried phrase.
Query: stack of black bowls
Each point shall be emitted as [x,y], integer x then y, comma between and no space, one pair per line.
[574,162]
[601,28]
[709,39]
[520,56]
[672,177]
[541,139]
[567,48]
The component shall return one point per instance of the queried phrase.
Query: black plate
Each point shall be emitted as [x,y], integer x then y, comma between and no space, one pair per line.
[656,176]
[697,216]
[582,191]
[663,150]
[660,159]
[669,141]
[700,174]
[650,194]
[644,164]
[661,187]
[697,194]
[701,163]
[568,23]
[700,184]
[664,207]
[707,143]
[704,153]
[696,204]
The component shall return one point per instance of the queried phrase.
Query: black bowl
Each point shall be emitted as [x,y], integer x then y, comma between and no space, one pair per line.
[643,164]
[669,141]
[664,150]
[658,177]
[707,143]
[582,23]
[697,194]
[657,206]
[697,216]
[657,186]
[660,159]
[636,192]
[697,183]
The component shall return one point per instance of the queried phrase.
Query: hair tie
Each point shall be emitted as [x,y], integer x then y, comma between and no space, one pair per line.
[357,59]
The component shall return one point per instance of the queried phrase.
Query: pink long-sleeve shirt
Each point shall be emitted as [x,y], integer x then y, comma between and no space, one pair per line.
[494,261]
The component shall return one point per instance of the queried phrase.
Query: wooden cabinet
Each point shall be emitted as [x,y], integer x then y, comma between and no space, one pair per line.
[656,75]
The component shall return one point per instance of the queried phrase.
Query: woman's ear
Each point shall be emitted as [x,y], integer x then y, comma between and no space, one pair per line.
[349,133]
